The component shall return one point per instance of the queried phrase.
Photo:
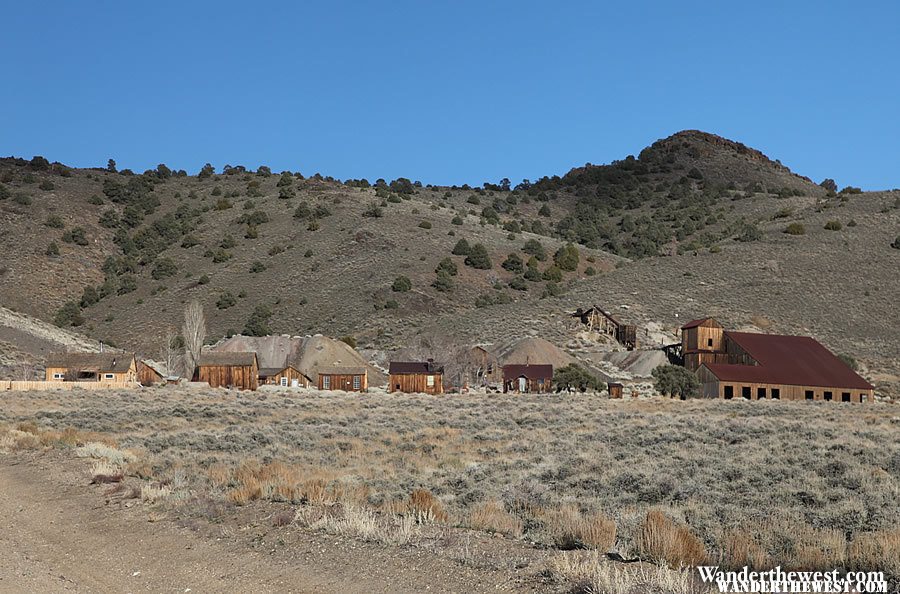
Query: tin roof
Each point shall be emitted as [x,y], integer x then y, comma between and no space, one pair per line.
[99,362]
[789,360]
[528,371]
[415,367]
[227,359]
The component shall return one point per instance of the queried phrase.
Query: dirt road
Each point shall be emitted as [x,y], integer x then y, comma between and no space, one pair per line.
[59,535]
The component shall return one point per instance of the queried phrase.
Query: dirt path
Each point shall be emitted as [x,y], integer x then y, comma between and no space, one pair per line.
[59,535]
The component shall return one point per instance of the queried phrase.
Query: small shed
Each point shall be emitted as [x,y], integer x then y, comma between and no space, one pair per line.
[349,379]
[527,379]
[228,370]
[424,377]
[150,373]
[615,389]
[106,367]
[283,376]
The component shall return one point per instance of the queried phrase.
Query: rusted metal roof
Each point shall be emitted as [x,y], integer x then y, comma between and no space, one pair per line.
[789,360]
[96,362]
[226,359]
[533,372]
[415,367]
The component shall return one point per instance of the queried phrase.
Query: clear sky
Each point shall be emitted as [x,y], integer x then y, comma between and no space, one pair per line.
[449,92]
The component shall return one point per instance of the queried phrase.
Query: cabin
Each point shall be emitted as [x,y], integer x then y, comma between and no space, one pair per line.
[105,367]
[349,379]
[424,377]
[150,373]
[283,376]
[755,366]
[615,389]
[527,379]
[239,370]
[604,322]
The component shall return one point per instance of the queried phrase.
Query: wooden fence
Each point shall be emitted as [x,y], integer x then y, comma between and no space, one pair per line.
[44,385]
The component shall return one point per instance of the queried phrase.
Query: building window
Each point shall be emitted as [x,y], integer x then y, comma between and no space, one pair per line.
[284,381]
[357,382]
[745,392]
[760,393]
[776,393]
[862,397]
[845,397]
[709,342]
[809,395]
[326,382]
[109,376]
[828,396]
[729,392]
[59,376]
[429,381]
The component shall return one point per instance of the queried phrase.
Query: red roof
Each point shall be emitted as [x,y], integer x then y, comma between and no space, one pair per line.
[533,372]
[695,323]
[790,360]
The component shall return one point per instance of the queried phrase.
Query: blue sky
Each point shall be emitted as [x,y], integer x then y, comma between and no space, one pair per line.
[449,92]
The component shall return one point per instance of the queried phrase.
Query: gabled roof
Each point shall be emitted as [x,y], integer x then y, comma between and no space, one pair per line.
[700,322]
[342,371]
[789,360]
[157,368]
[226,359]
[97,362]
[414,367]
[270,371]
[527,371]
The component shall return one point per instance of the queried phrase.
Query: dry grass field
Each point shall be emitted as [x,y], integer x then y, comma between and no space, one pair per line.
[811,486]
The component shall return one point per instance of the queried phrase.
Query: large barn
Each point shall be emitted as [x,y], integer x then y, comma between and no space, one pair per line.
[107,367]
[767,366]
[424,377]
[228,370]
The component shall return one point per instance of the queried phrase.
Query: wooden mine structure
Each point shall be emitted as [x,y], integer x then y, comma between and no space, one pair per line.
[601,321]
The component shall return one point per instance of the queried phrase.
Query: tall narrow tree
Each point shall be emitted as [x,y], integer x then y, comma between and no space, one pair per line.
[194,333]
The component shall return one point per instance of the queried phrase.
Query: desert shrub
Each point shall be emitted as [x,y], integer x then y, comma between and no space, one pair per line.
[258,322]
[573,378]
[252,232]
[220,256]
[663,541]
[109,218]
[833,226]
[513,263]
[227,242]
[22,199]
[447,266]
[203,280]
[518,283]
[164,268]
[52,249]
[443,281]
[675,380]
[544,211]
[391,304]
[490,215]
[795,229]
[373,211]
[849,361]
[534,248]
[127,284]
[69,315]
[76,235]
[590,271]
[749,232]
[257,266]
[473,199]
[89,296]
[189,241]
[349,340]
[850,190]
[783,213]
[4,192]
[54,222]
[226,300]
[488,299]
[457,220]
[513,228]
[462,248]
[425,225]
[285,180]
[552,274]
[566,258]
[551,289]
[401,284]
[569,529]
[478,258]
[426,507]
[896,243]
[491,516]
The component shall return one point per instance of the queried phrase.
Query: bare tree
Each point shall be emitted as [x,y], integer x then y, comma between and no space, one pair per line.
[194,333]
[171,352]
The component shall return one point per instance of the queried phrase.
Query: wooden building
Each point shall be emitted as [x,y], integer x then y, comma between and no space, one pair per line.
[150,373]
[477,366]
[283,376]
[349,379]
[106,367]
[757,366]
[239,370]
[416,377]
[527,379]
[615,389]
[597,319]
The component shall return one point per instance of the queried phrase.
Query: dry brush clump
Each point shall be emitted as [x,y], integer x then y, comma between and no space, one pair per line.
[590,574]
[662,540]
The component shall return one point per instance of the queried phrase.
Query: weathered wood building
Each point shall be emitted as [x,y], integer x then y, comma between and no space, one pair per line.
[287,376]
[106,367]
[604,322]
[239,370]
[615,389]
[349,379]
[757,366]
[424,377]
[527,379]
[150,373]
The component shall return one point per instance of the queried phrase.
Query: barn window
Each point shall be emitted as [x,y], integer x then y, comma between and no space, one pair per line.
[109,376]
[326,382]
[760,393]
[776,393]
[429,381]
[709,342]
[845,397]
[809,395]
[357,382]
[827,395]
[284,381]
[729,392]
[745,392]
[59,376]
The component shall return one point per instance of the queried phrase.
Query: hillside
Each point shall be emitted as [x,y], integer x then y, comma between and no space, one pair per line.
[693,225]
